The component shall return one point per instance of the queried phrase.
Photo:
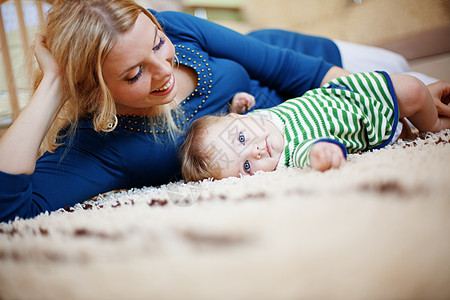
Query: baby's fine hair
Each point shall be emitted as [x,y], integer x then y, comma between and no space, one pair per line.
[197,161]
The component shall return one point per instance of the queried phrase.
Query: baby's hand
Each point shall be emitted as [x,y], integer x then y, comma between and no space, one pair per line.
[241,103]
[325,156]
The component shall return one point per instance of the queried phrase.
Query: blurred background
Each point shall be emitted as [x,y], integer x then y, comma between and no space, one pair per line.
[417,29]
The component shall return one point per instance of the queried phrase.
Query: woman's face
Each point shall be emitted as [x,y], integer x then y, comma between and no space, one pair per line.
[138,69]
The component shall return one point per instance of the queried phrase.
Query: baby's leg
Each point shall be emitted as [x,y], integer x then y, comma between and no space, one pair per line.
[417,104]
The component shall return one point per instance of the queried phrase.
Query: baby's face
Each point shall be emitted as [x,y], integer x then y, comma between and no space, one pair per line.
[245,145]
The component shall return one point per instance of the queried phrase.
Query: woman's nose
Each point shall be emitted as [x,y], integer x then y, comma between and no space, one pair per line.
[160,68]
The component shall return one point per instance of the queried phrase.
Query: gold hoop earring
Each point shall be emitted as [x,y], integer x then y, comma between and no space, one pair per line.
[111,125]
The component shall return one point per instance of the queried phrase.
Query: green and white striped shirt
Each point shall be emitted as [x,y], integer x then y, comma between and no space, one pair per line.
[357,112]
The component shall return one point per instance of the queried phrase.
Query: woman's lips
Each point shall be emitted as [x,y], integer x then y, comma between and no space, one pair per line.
[166,88]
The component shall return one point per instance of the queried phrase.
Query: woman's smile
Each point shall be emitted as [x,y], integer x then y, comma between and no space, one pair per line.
[166,88]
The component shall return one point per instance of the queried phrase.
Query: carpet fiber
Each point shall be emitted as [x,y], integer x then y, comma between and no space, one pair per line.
[378,228]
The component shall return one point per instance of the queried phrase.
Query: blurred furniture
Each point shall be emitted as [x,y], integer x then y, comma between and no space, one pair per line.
[19,20]
[161,5]
[207,9]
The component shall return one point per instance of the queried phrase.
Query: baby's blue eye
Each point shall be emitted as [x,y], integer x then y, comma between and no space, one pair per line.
[241,138]
[247,166]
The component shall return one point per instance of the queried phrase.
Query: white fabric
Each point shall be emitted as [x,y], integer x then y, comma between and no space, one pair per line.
[424,78]
[397,133]
[362,58]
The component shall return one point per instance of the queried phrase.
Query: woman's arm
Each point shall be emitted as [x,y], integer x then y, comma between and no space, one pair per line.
[20,144]
[88,163]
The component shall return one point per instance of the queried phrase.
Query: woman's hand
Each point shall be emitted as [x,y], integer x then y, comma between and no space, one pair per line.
[46,61]
[326,156]
[440,91]
[241,103]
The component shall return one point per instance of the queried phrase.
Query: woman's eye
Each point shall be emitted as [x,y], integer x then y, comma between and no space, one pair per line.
[159,45]
[247,166]
[242,138]
[136,77]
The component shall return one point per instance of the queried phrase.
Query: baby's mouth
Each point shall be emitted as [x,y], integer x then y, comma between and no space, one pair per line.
[268,149]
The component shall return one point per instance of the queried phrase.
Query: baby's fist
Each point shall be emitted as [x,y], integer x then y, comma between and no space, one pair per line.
[325,155]
[241,103]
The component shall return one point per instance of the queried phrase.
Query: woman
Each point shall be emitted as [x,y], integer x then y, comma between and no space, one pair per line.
[118,86]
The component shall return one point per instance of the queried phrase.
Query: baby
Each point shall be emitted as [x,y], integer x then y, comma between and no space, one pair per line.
[354,113]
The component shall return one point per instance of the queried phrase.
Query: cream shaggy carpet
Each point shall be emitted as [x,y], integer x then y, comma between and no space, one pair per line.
[379,228]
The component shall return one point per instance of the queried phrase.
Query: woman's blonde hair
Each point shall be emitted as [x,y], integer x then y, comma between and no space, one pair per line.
[197,158]
[80,34]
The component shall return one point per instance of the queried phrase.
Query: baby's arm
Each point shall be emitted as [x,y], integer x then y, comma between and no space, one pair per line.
[326,155]
[241,103]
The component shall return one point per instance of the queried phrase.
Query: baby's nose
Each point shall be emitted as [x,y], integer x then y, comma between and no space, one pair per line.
[256,151]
